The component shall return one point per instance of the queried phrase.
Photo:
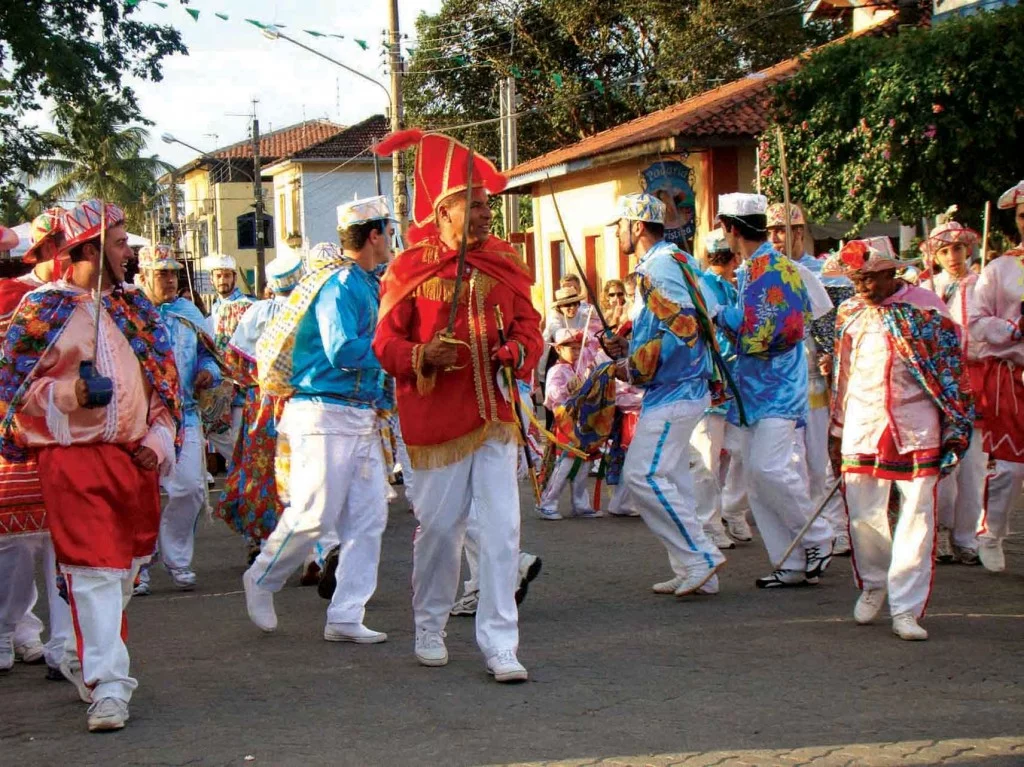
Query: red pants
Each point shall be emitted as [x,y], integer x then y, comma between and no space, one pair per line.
[104,511]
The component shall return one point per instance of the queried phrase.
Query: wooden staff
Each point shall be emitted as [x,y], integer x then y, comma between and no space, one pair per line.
[785,189]
[984,233]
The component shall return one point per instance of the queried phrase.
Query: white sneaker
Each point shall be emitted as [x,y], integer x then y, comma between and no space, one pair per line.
[868,605]
[905,626]
[430,649]
[353,632]
[710,587]
[529,569]
[548,513]
[738,530]
[990,552]
[695,579]
[71,668]
[6,652]
[259,603]
[467,605]
[719,537]
[30,652]
[505,667]
[141,587]
[944,545]
[183,578]
[841,545]
[107,714]
[669,586]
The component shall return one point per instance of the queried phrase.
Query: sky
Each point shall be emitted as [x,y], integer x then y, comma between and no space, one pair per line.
[205,98]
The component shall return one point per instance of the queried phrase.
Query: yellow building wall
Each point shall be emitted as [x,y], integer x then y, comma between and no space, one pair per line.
[587,201]
[223,204]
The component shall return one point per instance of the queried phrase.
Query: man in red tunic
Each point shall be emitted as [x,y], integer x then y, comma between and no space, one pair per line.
[458,423]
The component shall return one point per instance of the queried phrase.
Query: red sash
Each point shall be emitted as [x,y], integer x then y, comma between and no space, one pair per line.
[999,402]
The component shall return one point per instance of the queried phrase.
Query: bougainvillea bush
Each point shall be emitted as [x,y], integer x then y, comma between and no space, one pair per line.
[903,126]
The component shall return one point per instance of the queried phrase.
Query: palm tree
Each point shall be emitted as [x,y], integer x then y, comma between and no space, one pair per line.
[95,156]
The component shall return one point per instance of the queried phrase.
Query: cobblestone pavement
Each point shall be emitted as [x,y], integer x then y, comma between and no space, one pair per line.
[618,675]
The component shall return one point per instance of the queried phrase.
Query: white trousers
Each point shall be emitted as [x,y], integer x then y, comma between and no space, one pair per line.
[657,470]
[813,454]
[580,495]
[735,503]
[98,600]
[779,495]
[185,487]
[962,495]
[225,443]
[901,562]
[707,442]
[338,483]
[1001,494]
[483,484]
[18,594]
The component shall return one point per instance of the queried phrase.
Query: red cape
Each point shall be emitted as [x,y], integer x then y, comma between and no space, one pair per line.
[425,259]
[11,293]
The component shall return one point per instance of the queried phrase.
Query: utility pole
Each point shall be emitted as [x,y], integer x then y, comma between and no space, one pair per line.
[509,149]
[397,159]
[257,191]
[172,196]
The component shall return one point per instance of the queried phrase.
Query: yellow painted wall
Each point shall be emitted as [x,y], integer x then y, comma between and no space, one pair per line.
[225,202]
[587,202]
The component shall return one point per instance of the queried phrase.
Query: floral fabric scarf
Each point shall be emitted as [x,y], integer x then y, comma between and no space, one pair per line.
[39,323]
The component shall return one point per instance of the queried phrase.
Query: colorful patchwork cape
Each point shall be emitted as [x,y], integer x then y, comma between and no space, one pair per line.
[274,351]
[39,323]
[928,343]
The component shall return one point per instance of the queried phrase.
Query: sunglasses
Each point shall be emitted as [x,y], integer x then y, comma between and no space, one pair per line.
[616,295]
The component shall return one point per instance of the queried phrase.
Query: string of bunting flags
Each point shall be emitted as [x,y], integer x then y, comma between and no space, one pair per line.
[194,13]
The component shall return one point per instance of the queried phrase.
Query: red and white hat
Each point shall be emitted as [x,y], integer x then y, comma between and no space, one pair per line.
[1012,197]
[777,215]
[9,238]
[85,222]
[949,233]
[442,166]
[47,225]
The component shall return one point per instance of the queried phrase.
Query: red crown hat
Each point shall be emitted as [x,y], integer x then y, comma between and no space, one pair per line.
[48,225]
[84,222]
[442,164]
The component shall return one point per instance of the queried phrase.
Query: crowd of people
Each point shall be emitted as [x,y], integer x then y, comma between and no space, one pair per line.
[826,396]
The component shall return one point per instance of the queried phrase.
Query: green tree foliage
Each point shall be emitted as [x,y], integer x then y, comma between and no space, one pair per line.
[70,52]
[94,156]
[588,65]
[901,127]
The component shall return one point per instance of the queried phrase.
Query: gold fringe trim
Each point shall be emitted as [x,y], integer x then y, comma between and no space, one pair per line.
[437,289]
[453,451]
[424,383]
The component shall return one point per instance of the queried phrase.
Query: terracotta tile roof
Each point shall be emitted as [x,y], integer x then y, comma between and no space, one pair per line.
[351,142]
[737,109]
[283,141]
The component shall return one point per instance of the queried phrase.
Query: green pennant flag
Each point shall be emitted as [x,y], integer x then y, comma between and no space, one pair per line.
[558,80]
[314,33]
[223,16]
[193,13]
[363,44]
[461,61]
[598,85]
[162,5]
[257,24]
[536,72]
[132,3]
[516,72]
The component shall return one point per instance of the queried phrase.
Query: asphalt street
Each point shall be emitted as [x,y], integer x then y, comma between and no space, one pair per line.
[618,675]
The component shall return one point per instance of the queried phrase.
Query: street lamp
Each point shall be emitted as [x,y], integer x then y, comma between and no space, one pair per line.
[274,33]
[167,138]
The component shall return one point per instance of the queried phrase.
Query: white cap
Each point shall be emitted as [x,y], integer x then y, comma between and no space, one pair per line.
[363,211]
[220,261]
[284,273]
[742,204]
[714,241]
[1012,197]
